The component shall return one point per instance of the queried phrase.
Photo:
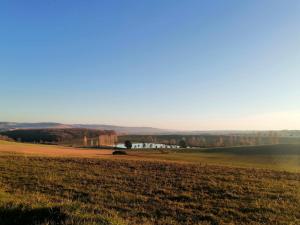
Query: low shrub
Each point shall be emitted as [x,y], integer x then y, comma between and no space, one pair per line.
[119,153]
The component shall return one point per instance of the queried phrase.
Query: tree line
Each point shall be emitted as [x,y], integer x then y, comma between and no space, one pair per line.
[210,140]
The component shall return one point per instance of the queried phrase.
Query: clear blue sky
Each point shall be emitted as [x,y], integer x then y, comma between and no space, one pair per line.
[214,64]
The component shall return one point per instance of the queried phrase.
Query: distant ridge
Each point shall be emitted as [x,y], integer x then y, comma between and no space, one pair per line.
[126,130]
[6,126]
[13,125]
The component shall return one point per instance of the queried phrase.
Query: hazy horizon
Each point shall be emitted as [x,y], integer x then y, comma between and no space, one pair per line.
[146,126]
[191,65]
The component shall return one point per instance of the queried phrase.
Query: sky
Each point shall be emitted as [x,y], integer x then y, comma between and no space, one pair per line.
[192,65]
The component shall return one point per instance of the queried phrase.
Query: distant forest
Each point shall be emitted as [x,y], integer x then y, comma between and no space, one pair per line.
[53,136]
[212,140]
[74,136]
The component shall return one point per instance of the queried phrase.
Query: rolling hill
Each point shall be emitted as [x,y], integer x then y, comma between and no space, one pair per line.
[7,126]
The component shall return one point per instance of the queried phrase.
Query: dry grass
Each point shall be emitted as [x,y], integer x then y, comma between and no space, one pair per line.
[74,190]
[50,150]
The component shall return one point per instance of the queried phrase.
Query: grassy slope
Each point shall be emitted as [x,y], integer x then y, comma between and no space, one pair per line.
[120,191]
[277,157]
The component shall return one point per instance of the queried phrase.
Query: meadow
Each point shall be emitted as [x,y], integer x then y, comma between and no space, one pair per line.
[220,186]
[284,157]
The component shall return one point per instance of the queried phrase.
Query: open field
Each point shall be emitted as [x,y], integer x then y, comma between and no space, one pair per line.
[278,157]
[58,185]
[50,150]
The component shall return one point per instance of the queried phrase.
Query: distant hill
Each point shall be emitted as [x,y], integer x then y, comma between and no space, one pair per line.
[4,126]
[126,130]
[7,126]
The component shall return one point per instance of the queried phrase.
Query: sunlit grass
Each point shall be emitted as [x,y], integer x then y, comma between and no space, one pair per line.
[120,191]
[149,187]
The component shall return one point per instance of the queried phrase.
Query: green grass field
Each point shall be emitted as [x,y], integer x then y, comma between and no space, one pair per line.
[222,186]
[275,157]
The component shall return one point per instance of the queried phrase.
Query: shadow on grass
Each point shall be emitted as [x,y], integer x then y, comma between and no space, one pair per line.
[20,216]
[280,149]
